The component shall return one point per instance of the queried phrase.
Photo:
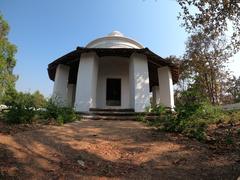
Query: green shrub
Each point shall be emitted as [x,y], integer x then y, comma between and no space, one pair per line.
[158,109]
[21,108]
[38,100]
[169,122]
[66,115]
[191,119]
[141,118]
[194,128]
[60,114]
[194,118]
[193,114]
[232,116]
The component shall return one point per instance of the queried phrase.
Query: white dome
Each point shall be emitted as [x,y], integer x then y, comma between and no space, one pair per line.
[114,40]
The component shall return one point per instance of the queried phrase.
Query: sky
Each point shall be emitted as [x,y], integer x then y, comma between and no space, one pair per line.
[45,30]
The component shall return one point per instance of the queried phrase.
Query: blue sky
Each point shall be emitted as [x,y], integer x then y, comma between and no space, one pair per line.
[47,29]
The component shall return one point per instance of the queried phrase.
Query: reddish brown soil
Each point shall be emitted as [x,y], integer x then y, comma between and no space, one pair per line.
[110,150]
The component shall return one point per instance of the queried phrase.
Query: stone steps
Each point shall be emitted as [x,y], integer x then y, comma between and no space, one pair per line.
[106,113]
[97,117]
[110,114]
[111,110]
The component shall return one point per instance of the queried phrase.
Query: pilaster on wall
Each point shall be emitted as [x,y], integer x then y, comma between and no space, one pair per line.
[139,82]
[60,85]
[86,82]
[166,87]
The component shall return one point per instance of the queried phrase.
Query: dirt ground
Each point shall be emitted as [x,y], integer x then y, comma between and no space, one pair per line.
[110,150]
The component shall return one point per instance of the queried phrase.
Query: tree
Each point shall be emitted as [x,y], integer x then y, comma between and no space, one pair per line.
[183,80]
[234,89]
[203,67]
[7,60]
[38,99]
[213,18]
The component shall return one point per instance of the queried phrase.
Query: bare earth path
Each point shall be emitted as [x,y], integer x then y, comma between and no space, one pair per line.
[109,150]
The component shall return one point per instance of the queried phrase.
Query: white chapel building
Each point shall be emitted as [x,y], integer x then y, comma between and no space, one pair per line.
[113,72]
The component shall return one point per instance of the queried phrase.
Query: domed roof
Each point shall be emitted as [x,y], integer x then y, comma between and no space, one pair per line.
[116,33]
[114,40]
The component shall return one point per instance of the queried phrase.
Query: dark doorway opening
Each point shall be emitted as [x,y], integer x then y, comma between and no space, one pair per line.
[113,92]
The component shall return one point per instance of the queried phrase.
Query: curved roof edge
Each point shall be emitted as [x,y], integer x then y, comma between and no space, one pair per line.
[152,58]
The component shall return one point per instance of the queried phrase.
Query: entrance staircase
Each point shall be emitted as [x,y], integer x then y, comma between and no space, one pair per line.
[114,114]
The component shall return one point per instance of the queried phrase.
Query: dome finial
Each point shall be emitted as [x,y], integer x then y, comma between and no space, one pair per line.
[116,33]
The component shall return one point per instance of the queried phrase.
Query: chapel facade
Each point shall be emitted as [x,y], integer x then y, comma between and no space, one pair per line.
[113,72]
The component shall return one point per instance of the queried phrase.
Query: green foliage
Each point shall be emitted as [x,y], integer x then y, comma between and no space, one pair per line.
[21,108]
[141,118]
[204,66]
[24,106]
[39,100]
[209,48]
[7,60]
[190,118]
[234,88]
[212,18]
[158,109]
[193,119]
[59,114]
[231,117]
[9,97]
[194,113]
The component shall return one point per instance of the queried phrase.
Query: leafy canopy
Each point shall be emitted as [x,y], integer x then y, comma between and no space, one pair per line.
[213,18]
[7,60]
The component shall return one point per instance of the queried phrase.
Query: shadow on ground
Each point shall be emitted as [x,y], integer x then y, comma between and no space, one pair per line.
[110,149]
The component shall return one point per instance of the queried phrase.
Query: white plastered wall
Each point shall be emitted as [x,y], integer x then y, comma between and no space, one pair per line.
[60,85]
[139,82]
[166,87]
[113,67]
[86,82]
